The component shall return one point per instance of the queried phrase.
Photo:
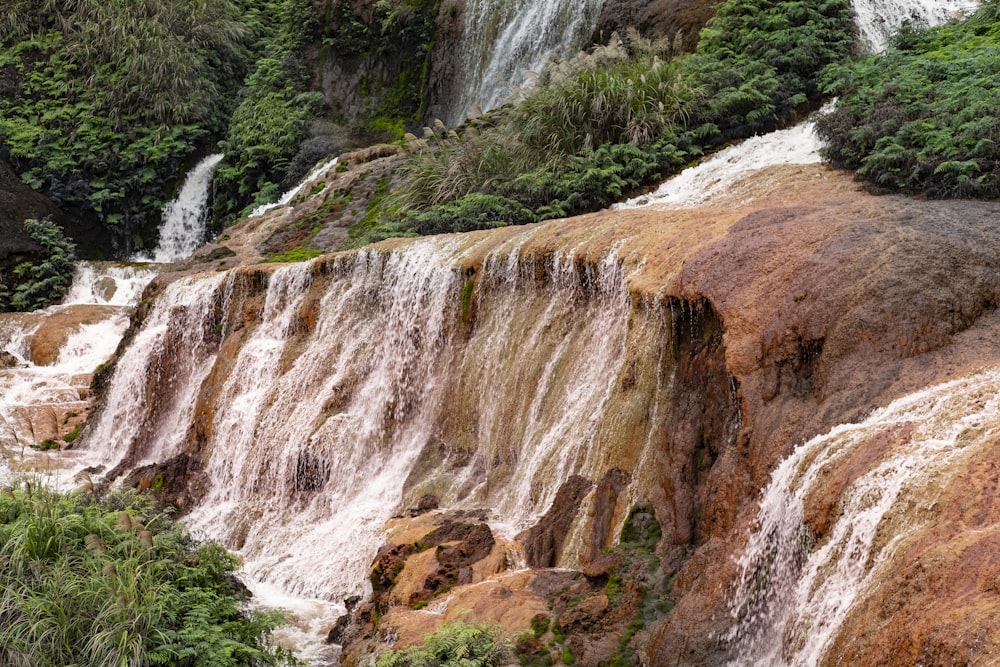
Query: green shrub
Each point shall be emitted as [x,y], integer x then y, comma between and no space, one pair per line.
[297,254]
[922,117]
[456,644]
[757,62]
[112,584]
[39,284]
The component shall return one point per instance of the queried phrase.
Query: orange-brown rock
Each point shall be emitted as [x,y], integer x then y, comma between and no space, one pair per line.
[755,322]
[56,327]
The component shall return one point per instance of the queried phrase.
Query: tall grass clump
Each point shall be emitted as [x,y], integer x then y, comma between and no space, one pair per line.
[116,583]
[923,116]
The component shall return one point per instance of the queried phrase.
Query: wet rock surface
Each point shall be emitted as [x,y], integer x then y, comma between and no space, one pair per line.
[754,323]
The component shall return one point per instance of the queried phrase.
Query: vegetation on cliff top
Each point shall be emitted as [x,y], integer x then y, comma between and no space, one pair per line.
[114,583]
[626,115]
[922,117]
[101,103]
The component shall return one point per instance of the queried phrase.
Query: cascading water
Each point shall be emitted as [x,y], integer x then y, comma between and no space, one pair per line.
[502,38]
[311,391]
[362,396]
[791,597]
[41,393]
[697,185]
[878,20]
[287,198]
[184,219]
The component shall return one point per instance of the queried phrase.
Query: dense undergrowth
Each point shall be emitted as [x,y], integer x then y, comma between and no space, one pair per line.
[84,582]
[103,105]
[922,117]
[456,644]
[621,117]
[35,284]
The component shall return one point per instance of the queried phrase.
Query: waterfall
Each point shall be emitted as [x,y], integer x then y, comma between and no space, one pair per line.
[791,597]
[285,199]
[697,185]
[43,394]
[502,38]
[878,20]
[106,283]
[184,218]
[312,392]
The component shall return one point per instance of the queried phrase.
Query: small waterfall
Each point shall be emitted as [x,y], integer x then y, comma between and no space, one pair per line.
[697,185]
[791,597]
[107,283]
[878,20]
[43,393]
[184,219]
[287,198]
[502,38]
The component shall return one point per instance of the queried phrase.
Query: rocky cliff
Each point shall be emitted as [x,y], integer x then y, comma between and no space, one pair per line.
[607,394]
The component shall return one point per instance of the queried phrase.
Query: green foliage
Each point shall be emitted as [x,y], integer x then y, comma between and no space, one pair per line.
[39,284]
[103,101]
[456,644]
[266,130]
[606,123]
[757,62]
[297,254]
[88,583]
[611,96]
[923,116]
[540,625]
[399,35]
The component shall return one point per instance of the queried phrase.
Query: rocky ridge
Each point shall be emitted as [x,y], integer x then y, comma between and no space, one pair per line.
[793,304]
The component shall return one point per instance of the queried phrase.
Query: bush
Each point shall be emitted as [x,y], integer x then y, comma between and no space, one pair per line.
[456,644]
[38,284]
[112,583]
[923,116]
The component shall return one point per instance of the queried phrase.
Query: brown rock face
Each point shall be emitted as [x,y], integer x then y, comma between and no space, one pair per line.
[747,327]
[855,300]
[55,328]
[680,21]
[543,542]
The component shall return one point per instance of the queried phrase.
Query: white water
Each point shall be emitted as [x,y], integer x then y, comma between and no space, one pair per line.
[503,38]
[697,185]
[879,20]
[791,599]
[185,218]
[285,199]
[106,283]
[35,398]
[311,436]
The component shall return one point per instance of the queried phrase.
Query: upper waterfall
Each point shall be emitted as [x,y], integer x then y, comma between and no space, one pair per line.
[184,218]
[502,38]
[878,20]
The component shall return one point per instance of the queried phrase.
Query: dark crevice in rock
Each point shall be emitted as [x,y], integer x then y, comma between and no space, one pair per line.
[543,542]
